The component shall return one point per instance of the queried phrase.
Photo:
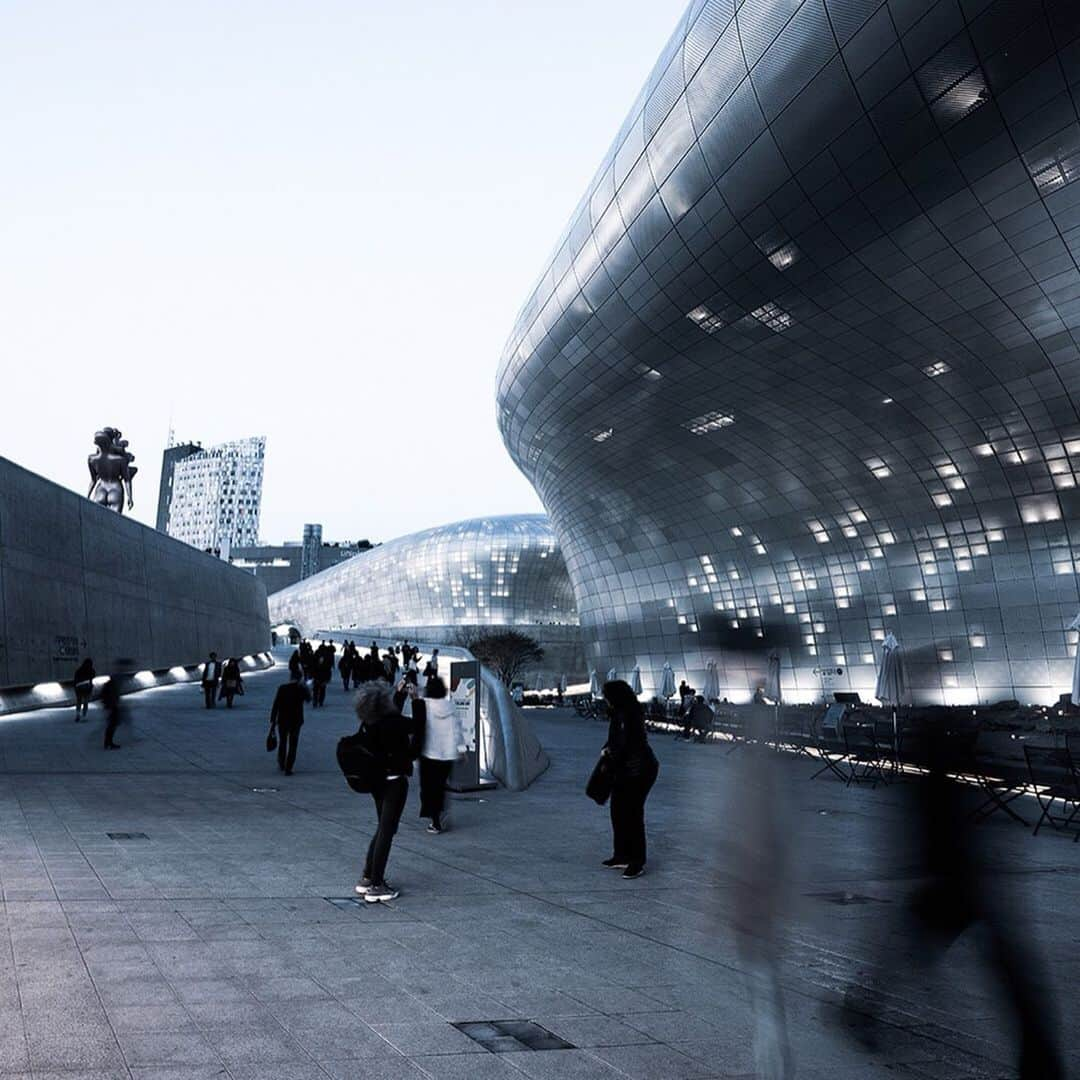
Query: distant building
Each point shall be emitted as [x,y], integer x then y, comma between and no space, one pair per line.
[278,566]
[214,495]
[309,558]
[172,455]
[433,586]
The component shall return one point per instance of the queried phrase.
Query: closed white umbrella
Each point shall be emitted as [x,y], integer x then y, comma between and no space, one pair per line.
[594,684]
[772,692]
[635,680]
[562,683]
[711,690]
[612,675]
[772,679]
[667,681]
[1075,625]
[891,688]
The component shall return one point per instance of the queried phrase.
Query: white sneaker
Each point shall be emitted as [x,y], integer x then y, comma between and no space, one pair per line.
[379,893]
[362,887]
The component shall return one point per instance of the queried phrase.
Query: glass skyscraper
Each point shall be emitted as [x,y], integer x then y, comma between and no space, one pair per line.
[216,496]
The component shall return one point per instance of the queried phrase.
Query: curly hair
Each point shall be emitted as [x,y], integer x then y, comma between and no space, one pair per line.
[373,699]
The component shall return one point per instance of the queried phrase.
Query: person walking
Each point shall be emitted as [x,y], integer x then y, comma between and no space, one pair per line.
[84,688]
[287,715]
[231,682]
[110,699]
[211,676]
[345,668]
[388,736]
[634,771]
[441,740]
[296,666]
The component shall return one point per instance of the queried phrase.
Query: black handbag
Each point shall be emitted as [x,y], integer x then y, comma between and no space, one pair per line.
[602,780]
[271,740]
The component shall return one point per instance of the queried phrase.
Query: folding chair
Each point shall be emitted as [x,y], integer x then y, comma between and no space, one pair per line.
[1001,782]
[793,734]
[829,747]
[865,761]
[730,724]
[1054,779]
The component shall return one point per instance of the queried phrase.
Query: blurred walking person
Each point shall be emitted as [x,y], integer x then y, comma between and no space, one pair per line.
[345,668]
[287,716]
[634,771]
[84,688]
[960,889]
[756,860]
[110,701]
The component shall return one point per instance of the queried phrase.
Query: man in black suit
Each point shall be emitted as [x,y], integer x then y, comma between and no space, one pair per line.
[211,676]
[287,715]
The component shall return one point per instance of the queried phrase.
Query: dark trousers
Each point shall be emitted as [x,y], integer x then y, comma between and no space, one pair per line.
[112,722]
[318,692]
[628,817]
[288,737]
[433,777]
[209,693]
[389,803]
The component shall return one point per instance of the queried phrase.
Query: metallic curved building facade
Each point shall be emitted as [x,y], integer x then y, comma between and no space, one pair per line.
[495,571]
[803,369]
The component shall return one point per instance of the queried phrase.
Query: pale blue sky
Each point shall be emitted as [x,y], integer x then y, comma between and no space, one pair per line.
[313,220]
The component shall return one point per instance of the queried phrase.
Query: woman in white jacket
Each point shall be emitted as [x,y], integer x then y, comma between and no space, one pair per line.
[440,728]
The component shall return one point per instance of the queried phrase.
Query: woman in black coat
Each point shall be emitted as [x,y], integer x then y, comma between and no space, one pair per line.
[634,768]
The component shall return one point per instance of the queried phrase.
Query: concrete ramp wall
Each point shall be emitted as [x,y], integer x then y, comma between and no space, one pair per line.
[78,580]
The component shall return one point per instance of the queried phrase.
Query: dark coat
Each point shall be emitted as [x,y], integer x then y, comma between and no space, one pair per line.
[628,745]
[288,707]
[391,737]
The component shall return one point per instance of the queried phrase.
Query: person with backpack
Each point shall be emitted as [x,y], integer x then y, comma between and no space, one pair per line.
[378,759]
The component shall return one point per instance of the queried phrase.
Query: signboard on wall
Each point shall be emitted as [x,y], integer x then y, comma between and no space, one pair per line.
[65,648]
[830,678]
[465,692]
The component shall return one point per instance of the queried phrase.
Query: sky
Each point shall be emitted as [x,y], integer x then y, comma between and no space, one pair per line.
[312,220]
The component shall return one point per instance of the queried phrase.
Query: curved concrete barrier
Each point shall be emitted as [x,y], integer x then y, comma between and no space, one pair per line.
[53,695]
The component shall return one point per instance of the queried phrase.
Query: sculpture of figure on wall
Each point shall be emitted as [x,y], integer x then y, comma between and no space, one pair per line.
[111,471]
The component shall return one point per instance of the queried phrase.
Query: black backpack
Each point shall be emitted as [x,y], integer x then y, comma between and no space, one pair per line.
[363,768]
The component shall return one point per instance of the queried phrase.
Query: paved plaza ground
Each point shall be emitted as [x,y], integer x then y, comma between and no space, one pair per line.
[214,947]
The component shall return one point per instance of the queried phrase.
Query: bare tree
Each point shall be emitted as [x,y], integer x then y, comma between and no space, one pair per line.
[506,652]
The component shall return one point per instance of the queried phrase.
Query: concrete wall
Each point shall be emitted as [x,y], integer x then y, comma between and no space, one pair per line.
[78,580]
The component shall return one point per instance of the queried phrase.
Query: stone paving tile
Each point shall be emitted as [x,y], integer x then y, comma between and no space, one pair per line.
[427,1037]
[211,947]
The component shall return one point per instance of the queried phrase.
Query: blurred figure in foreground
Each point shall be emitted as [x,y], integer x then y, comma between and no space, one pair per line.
[958,891]
[759,858]
[84,688]
[110,702]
